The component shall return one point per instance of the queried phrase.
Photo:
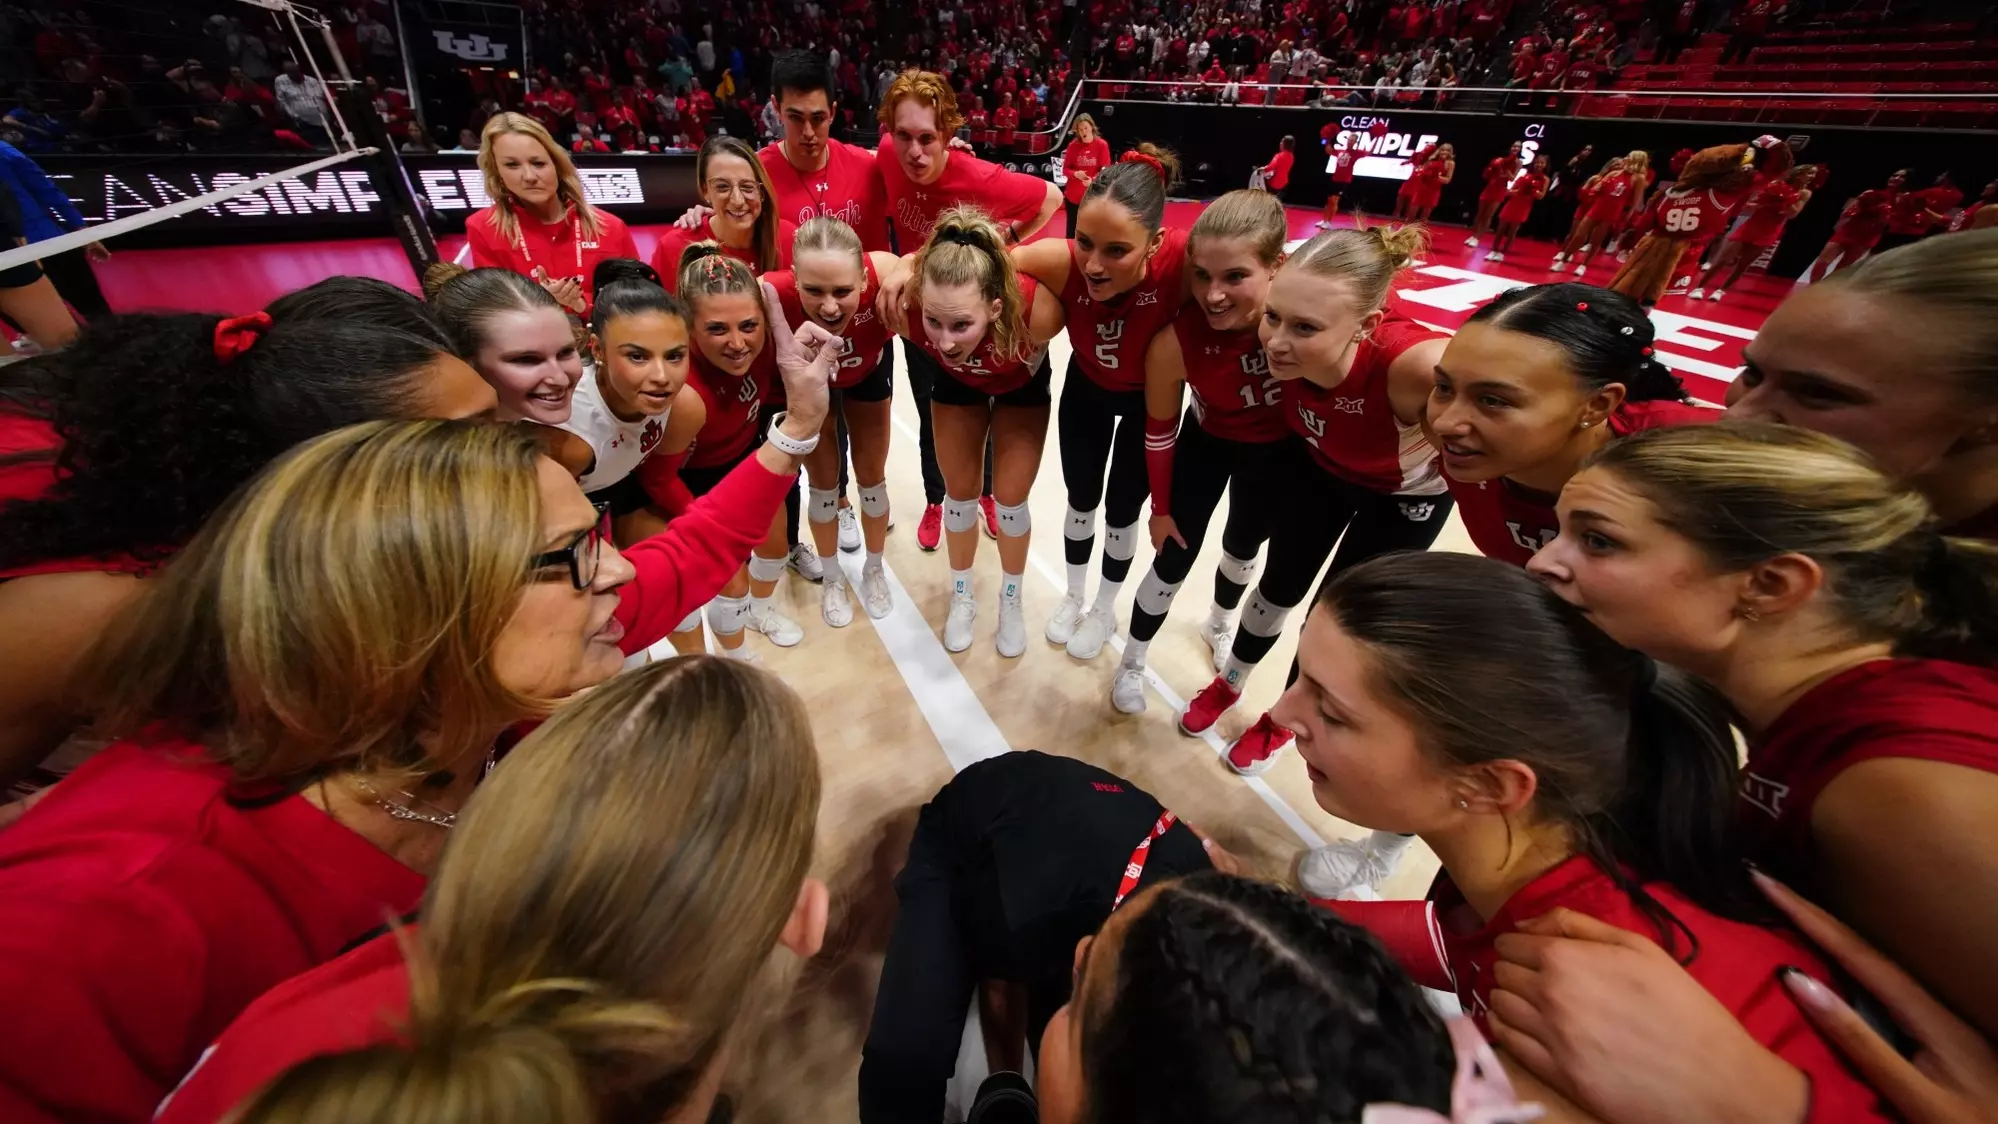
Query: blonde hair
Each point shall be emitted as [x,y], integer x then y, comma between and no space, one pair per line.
[825,234]
[604,913]
[705,271]
[1082,119]
[966,248]
[439,274]
[1256,217]
[1636,162]
[1745,492]
[929,89]
[568,185]
[764,238]
[339,614]
[1952,279]
[1366,258]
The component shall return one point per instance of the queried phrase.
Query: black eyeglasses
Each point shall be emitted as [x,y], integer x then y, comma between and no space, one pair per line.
[582,554]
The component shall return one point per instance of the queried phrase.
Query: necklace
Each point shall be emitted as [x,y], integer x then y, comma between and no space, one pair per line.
[415,809]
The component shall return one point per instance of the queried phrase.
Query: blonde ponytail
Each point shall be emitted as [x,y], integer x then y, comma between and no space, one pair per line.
[1367,258]
[966,248]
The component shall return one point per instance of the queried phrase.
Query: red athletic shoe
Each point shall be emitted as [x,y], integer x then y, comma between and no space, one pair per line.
[929,532]
[1258,748]
[990,507]
[1211,703]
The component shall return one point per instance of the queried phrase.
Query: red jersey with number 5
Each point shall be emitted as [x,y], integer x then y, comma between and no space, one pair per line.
[1234,397]
[984,371]
[1351,428]
[732,402]
[865,337]
[1511,523]
[1110,337]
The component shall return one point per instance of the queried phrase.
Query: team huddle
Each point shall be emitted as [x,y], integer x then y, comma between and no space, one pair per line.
[192,918]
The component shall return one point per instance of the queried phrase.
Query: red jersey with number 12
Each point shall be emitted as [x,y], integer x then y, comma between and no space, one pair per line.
[1110,337]
[865,336]
[1351,428]
[1511,523]
[1234,397]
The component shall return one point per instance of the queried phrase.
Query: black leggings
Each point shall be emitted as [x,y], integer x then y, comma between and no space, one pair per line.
[923,375]
[1328,511]
[1102,428]
[1203,467]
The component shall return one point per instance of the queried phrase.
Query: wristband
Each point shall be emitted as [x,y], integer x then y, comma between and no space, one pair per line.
[785,442]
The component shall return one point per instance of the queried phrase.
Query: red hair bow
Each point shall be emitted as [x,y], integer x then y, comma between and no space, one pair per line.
[1133,156]
[238,334]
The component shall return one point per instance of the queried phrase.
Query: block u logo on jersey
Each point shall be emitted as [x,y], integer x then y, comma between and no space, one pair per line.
[1311,421]
[1531,542]
[1108,336]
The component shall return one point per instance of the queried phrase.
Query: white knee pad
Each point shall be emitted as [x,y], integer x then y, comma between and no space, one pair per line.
[1080,525]
[1121,543]
[1155,594]
[874,500]
[824,507]
[691,624]
[960,515]
[1261,618]
[1237,570]
[763,569]
[727,615]
[1015,520]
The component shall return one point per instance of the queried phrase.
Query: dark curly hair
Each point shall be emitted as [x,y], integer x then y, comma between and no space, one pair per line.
[156,432]
[359,300]
[1237,1002]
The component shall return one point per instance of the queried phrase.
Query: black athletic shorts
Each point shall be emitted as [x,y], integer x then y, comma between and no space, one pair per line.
[1037,391]
[879,385]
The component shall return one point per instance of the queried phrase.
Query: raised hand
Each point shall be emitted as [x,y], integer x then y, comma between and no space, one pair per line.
[805,360]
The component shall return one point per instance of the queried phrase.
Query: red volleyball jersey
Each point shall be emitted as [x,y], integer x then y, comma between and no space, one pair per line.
[31,480]
[561,247]
[1520,198]
[1768,212]
[1498,174]
[144,903]
[360,999]
[1864,220]
[865,338]
[848,188]
[1110,337]
[1735,961]
[732,402]
[1233,395]
[1005,197]
[674,240]
[1510,523]
[983,370]
[1932,710]
[1351,428]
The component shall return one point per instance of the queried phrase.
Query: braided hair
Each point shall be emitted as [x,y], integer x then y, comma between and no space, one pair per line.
[1237,1002]
[1606,336]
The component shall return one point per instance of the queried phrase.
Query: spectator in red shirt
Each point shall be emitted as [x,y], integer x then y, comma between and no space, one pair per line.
[1276,173]
[1086,157]
[562,104]
[596,90]
[1005,122]
[622,124]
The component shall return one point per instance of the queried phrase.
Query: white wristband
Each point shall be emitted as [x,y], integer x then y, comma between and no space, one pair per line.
[785,442]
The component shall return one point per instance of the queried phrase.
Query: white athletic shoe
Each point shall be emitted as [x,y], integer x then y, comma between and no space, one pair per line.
[1011,640]
[1559,258]
[776,627]
[1586,247]
[805,561]
[1337,870]
[1062,624]
[874,592]
[1127,690]
[1472,242]
[1495,256]
[1622,256]
[1091,632]
[849,530]
[1220,639]
[1697,295]
[1716,294]
[835,604]
[742,654]
[1580,267]
[1679,286]
[957,626]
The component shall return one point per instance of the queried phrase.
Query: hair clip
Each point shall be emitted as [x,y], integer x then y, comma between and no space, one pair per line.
[1581,306]
[1629,331]
[238,334]
[1645,351]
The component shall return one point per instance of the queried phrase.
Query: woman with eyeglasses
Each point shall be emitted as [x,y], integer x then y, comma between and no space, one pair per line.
[744,221]
[302,703]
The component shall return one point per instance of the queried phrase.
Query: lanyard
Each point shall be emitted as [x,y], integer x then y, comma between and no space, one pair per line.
[575,238]
[1135,869]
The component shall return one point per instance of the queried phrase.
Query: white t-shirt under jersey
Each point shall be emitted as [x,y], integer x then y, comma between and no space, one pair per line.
[618,444]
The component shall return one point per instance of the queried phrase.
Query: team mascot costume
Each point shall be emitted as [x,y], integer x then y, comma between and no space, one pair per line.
[1696,210]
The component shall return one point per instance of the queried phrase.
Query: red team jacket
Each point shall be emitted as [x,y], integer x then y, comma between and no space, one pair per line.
[1110,337]
[561,247]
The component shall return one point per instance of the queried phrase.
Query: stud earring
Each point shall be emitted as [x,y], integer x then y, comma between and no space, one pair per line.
[1464,804]
[1747,613]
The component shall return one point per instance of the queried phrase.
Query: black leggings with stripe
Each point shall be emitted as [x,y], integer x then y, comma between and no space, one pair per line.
[1205,466]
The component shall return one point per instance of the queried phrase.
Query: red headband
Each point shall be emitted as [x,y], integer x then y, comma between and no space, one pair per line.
[238,334]
[1133,156]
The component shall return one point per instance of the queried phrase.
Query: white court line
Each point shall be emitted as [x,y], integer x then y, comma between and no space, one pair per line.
[1283,810]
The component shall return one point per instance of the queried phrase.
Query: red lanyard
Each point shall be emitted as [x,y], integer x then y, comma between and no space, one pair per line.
[575,236]
[1135,869]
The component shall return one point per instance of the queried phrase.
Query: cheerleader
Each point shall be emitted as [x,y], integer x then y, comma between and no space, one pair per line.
[1853,638]
[1499,174]
[1424,189]
[624,408]
[1120,279]
[1859,228]
[1232,436]
[1618,190]
[1524,192]
[833,283]
[539,224]
[1770,209]
[986,326]
[732,363]
[1694,211]
[1354,385]
[1342,156]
